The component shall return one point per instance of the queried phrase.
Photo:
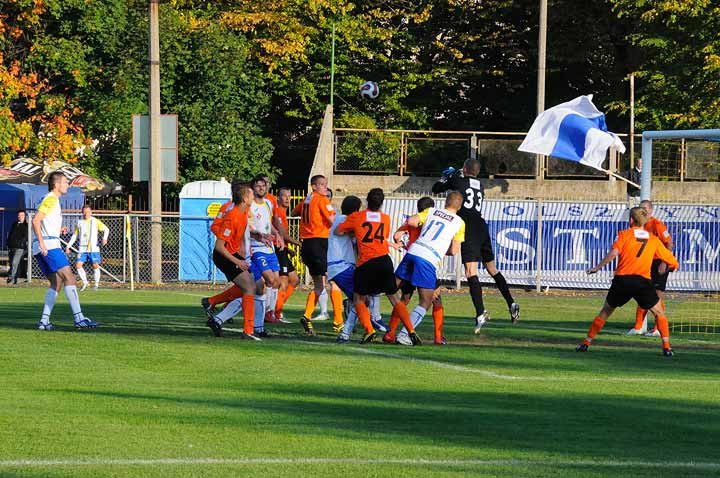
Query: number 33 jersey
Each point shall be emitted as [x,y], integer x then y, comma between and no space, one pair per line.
[473,194]
[439,228]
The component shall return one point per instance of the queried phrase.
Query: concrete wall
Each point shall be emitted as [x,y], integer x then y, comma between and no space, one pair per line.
[579,190]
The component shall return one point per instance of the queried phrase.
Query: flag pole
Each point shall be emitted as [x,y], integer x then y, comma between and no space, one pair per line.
[610,173]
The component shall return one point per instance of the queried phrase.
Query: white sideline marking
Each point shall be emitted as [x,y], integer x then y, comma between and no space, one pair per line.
[709,466]
[494,375]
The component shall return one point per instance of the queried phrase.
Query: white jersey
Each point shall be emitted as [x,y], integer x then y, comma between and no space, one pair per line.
[439,228]
[51,224]
[88,230]
[261,221]
[341,253]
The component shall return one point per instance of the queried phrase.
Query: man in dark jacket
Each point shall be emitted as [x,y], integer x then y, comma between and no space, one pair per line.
[17,242]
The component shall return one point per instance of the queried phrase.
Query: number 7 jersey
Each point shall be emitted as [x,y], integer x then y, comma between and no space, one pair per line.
[637,249]
[439,228]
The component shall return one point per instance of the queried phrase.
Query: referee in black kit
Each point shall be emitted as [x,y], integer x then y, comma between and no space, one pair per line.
[477,246]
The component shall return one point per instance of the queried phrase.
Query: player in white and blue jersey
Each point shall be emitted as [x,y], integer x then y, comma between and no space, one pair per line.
[46,248]
[443,231]
[264,263]
[88,230]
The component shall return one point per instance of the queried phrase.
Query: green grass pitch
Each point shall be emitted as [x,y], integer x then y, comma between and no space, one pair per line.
[152,394]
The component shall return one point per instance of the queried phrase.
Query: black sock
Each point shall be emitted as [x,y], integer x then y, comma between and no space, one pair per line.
[476,294]
[503,288]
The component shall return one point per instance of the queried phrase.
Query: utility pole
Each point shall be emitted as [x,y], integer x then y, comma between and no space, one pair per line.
[155,180]
[542,43]
[332,68]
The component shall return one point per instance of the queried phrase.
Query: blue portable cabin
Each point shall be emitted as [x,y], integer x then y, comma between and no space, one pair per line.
[199,204]
[14,197]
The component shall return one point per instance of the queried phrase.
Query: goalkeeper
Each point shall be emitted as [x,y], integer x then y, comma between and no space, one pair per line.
[477,246]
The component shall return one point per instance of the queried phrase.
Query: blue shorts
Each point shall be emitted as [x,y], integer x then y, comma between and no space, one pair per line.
[91,257]
[344,280]
[261,262]
[417,271]
[53,262]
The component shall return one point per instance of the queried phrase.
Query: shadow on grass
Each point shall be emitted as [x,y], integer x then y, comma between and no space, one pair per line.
[572,424]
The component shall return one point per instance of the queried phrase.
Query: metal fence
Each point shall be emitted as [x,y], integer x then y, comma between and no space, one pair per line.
[427,153]
[537,243]
[126,256]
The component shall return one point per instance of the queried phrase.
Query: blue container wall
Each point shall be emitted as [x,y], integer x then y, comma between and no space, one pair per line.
[196,240]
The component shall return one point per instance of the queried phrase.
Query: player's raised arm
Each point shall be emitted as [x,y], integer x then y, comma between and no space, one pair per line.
[609,257]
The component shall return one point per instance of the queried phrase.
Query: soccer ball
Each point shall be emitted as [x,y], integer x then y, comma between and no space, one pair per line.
[369,90]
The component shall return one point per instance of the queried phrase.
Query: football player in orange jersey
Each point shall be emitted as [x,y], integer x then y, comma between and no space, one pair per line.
[229,254]
[233,292]
[658,271]
[316,216]
[635,249]
[375,272]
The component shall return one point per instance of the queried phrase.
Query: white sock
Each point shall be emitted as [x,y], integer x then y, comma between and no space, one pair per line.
[230,310]
[272,295]
[323,300]
[72,296]
[82,274]
[259,312]
[417,315]
[350,321]
[96,276]
[374,307]
[50,297]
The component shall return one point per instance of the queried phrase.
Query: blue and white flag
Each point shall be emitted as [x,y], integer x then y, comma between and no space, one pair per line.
[575,131]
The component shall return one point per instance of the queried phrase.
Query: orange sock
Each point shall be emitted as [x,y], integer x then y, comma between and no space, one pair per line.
[438,319]
[639,317]
[336,299]
[595,327]
[404,316]
[248,307]
[394,322]
[310,304]
[227,295]
[664,327]
[282,298]
[364,316]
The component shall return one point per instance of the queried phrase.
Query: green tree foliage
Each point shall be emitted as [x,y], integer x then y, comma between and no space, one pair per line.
[677,46]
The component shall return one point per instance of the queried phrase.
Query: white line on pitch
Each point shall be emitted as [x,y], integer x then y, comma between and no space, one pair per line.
[499,376]
[710,466]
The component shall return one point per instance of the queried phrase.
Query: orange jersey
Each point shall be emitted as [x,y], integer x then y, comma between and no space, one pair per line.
[637,249]
[232,228]
[316,216]
[412,232]
[372,230]
[281,213]
[657,228]
[215,226]
[273,199]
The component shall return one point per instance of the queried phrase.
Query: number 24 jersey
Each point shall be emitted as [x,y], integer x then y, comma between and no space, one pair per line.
[372,230]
